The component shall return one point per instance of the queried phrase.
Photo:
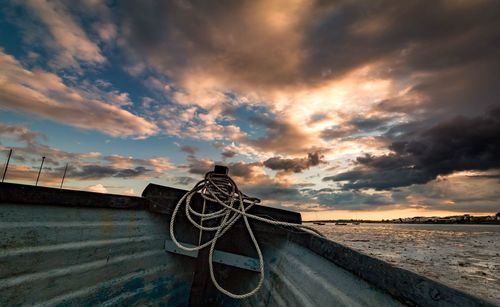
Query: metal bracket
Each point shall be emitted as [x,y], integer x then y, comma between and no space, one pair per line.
[239,261]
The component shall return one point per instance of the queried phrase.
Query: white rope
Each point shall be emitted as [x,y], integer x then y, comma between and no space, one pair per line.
[221,189]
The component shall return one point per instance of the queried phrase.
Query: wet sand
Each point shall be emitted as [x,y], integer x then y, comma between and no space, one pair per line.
[465,257]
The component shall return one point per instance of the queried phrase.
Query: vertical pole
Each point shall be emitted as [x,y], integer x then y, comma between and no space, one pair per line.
[39,171]
[64,176]
[6,165]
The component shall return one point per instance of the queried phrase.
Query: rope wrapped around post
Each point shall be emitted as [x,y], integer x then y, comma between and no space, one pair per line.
[219,188]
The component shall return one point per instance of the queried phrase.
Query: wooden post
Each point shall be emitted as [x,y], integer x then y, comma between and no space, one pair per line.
[64,175]
[6,165]
[39,171]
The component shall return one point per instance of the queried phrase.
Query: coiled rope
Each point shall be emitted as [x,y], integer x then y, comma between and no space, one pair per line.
[221,189]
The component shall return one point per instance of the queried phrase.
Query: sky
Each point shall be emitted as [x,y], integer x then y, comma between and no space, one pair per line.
[336,109]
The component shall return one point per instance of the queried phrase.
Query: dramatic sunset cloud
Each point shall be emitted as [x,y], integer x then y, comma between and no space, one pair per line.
[314,106]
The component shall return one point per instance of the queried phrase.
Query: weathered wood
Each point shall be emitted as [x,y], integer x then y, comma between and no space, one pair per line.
[230,259]
[203,292]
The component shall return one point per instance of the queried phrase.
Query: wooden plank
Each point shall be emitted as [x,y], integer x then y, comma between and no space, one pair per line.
[230,259]
[202,289]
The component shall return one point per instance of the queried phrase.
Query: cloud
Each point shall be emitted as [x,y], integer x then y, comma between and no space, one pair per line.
[275,192]
[28,174]
[99,188]
[20,133]
[228,153]
[244,173]
[159,164]
[199,166]
[45,94]
[194,31]
[32,150]
[187,121]
[457,192]
[417,157]
[347,58]
[53,156]
[106,31]
[66,37]
[354,200]
[81,166]
[334,133]
[96,172]
[78,170]
[184,180]
[130,192]
[282,45]
[296,165]
[281,137]
[191,150]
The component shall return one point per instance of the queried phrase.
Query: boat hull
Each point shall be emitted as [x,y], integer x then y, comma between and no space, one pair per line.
[66,247]
[53,255]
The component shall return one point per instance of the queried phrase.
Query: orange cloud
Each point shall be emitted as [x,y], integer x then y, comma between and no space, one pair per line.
[44,94]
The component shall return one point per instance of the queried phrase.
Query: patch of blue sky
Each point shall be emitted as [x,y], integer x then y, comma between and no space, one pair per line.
[249,117]
[17,40]
[10,38]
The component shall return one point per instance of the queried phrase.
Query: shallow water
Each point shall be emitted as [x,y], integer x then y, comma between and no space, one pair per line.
[466,257]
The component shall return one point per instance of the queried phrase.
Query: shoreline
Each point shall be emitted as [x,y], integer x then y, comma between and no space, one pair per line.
[405,223]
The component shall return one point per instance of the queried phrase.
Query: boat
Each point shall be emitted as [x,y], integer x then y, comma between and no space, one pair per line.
[318,223]
[340,224]
[67,247]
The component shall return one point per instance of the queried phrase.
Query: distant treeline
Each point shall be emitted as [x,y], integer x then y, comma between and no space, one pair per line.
[465,219]
[405,222]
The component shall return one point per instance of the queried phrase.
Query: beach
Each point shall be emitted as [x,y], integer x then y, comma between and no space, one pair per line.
[466,257]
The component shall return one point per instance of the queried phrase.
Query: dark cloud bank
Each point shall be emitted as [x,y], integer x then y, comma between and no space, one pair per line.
[463,143]
[295,165]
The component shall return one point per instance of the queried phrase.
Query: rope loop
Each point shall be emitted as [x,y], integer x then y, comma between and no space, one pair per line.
[234,204]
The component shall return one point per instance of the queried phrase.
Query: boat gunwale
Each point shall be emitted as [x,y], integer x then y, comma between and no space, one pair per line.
[150,200]
[37,195]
